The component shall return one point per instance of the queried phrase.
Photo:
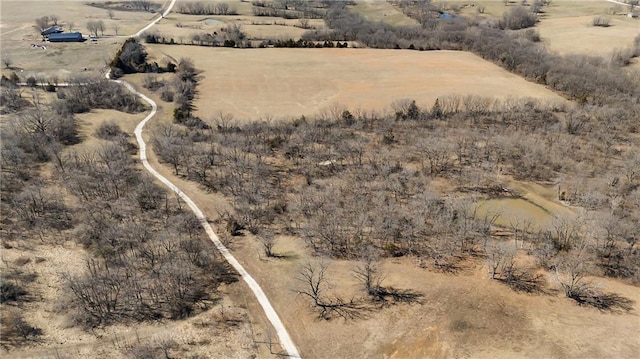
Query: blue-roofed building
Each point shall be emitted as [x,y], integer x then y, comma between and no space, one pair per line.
[66,37]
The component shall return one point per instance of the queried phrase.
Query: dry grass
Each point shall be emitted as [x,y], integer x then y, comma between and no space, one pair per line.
[222,332]
[465,315]
[260,83]
[181,27]
[535,203]
[383,11]
[226,330]
[566,35]
[566,25]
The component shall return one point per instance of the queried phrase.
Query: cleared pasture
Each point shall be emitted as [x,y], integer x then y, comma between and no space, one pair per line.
[567,35]
[374,10]
[277,83]
[566,25]
[181,27]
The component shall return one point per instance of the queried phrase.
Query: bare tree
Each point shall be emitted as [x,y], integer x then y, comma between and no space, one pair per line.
[521,226]
[42,23]
[70,24]
[7,60]
[315,286]
[368,272]
[142,4]
[111,14]
[165,344]
[222,8]
[116,28]
[268,241]
[101,27]
[632,166]
[54,19]
[571,270]
[93,27]
[566,233]
[499,256]
[517,18]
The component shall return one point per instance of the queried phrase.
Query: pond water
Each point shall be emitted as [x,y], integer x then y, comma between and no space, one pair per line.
[512,209]
[213,21]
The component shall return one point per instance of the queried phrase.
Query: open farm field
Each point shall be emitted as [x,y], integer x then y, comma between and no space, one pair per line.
[182,27]
[17,33]
[557,8]
[383,11]
[260,83]
[566,26]
[576,35]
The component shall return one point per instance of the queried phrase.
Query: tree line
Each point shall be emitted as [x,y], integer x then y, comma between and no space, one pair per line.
[586,79]
[203,8]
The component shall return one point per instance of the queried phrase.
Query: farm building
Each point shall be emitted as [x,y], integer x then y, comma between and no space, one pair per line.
[66,37]
[51,30]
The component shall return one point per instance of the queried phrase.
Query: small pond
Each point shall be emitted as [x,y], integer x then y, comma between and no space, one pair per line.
[510,210]
[213,21]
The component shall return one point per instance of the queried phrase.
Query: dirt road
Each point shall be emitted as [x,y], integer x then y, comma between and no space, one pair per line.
[285,340]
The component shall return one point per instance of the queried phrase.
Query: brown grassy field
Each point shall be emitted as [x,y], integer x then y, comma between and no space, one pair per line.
[566,25]
[376,11]
[181,26]
[260,83]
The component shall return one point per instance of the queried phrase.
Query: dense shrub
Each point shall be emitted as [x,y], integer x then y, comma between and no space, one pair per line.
[205,8]
[131,57]
[109,130]
[601,21]
[518,18]
[97,94]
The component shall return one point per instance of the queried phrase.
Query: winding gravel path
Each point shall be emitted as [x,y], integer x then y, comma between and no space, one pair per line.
[283,336]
